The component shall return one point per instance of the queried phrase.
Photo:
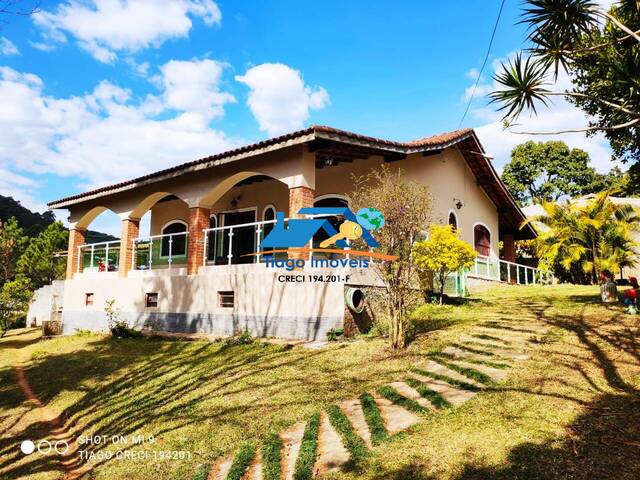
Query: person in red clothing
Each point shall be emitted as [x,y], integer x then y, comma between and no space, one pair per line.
[631,295]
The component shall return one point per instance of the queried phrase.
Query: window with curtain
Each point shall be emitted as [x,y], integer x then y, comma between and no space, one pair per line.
[482,240]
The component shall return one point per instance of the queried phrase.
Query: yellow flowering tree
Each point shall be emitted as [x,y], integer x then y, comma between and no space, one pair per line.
[443,253]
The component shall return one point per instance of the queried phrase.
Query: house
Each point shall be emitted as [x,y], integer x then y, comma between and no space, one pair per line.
[192,273]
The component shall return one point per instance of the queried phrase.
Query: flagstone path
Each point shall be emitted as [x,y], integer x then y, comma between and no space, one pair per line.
[481,359]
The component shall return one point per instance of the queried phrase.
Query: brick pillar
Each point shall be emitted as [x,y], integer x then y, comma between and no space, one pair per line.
[508,248]
[198,221]
[299,197]
[76,238]
[130,230]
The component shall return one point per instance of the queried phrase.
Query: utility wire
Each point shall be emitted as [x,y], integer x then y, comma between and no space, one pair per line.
[486,57]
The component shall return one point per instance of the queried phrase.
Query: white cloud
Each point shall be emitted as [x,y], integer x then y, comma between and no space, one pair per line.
[100,137]
[279,99]
[7,47]
[561,115]
[105,27]
[194,86]
[42,46]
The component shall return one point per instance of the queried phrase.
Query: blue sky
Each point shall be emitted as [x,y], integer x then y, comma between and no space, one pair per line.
[96,91]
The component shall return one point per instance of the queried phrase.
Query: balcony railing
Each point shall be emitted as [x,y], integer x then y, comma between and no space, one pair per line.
[99,257]
[509,272]
[159,251]
[230,244]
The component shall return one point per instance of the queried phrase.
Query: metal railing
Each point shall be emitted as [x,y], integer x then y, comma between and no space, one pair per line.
[509,272]
[159,251]
[99,257]
[228,245]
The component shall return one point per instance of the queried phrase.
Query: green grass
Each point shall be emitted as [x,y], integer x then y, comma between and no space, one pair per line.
[308,449]
[471,373]
[570,411]
[202,472]
[272,457]
[447,356]
[374,419]
[445,378]
[242,461]
[352,441]
[473,350]
[391,394]
[434,397]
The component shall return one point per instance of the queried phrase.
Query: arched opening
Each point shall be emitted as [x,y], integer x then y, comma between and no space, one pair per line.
[162,241]
[101,249]
[453,220]
[239,206]
[482,239]
[330,200]
[174,239]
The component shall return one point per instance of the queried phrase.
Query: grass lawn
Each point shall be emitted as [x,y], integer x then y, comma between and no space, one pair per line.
[571,411]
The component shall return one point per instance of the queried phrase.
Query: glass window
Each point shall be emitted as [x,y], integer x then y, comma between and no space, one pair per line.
[226,299]
[453,221]
[178,230]
[482,240]
[151,300]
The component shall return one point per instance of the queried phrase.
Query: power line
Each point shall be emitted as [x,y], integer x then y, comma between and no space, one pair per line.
[484,63]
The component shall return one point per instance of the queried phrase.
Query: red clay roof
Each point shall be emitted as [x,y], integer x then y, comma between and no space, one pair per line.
[432,141]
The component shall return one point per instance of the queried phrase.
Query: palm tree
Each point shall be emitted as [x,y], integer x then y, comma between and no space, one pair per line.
[592,238]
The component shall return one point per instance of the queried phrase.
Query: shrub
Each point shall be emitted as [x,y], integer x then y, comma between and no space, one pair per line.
[119,328]
[244,338]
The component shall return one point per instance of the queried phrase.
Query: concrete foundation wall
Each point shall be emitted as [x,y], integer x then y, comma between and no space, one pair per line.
[190,304]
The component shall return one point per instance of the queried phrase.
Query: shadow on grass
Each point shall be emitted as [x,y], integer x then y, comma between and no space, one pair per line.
[602,443]
[124,387]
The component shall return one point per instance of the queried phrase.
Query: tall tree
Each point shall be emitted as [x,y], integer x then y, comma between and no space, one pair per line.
[39,262]
[599,49]
[12,245]
[406,207]
[547,171]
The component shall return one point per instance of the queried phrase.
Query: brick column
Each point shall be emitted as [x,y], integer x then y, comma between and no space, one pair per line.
[508,248]
[198,221]
[299,197]
[130,230]
[76,238]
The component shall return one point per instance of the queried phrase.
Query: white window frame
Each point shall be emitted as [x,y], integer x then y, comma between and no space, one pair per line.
[491,252]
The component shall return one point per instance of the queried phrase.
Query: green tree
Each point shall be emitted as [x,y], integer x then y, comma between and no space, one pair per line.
[12,245]
[406,207]
[14,301]
[599,49]
[39,262]
[546,171]
[443,253]
[585,240]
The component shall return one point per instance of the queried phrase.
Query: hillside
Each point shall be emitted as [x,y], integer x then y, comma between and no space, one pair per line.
[33,223]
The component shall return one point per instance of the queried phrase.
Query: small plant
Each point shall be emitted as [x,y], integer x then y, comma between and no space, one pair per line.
[83,332]
[244,338]
[119,328]
[334,334]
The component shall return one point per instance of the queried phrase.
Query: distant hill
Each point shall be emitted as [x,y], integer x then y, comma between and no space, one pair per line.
[33,223]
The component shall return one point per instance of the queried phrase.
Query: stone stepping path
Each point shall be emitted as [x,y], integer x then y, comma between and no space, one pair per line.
[343,434]
[451,394]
